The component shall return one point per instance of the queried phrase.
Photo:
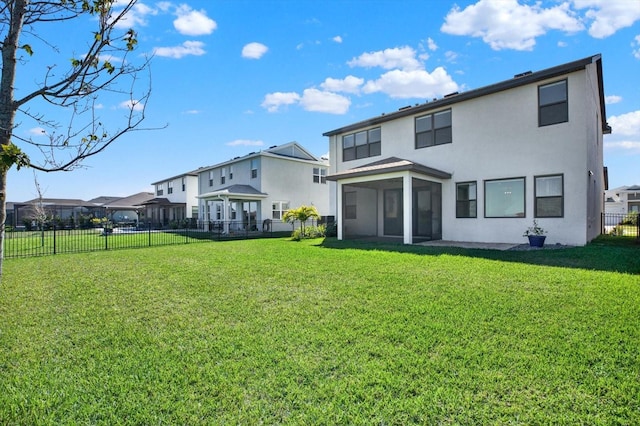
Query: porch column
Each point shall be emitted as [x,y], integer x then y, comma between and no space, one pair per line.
[407,219]
[225,214]
[339,210]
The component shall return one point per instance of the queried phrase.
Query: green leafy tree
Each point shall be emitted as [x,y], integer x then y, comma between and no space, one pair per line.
[70,85]
[302,214]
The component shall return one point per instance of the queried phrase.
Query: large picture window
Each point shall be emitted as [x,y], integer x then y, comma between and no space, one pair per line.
[466,199]
[367,143]
[549,196]
[504,198]
[434,129]
[552,103]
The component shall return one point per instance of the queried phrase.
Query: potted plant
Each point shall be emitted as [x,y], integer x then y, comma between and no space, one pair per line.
[535,234]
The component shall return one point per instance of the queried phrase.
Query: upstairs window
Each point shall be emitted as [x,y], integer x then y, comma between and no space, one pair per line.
[319,175]
[230,172]
[367,143]
[466,199]
[210,177]
[254,168]
[170,187]
[159,190]
[549,196]
[184,185]
[553,107]
[223,177]
[434,129]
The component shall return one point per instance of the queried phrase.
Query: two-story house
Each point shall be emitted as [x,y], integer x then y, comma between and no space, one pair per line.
[622,200]
[176,199]
[252,192]
[480,165]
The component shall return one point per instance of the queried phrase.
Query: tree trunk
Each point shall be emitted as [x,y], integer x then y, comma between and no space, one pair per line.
[7,106]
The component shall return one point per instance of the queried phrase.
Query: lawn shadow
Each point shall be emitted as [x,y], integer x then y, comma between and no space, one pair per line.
[611,254]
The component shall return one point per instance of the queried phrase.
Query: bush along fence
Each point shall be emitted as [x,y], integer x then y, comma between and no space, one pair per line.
[621,224]
[57,239]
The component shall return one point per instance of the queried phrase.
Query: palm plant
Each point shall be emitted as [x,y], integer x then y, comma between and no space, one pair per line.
[302,213]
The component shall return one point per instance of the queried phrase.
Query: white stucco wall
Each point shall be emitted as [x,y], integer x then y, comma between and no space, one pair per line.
[497,136]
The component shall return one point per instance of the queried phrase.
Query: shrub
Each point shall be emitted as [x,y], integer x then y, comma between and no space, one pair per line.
[309,232]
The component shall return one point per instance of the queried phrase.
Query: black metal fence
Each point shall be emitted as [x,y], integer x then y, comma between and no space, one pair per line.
[56,239]
[621,224]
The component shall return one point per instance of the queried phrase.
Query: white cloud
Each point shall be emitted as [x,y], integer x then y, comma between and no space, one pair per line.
[632,147]
[137,16]
[245,142]
[626,124]
[321,101]
[132,104]
[192,112]
[254,50]
[506,24]
[397,57]
[432,44]
[636,47]
[193,22]
[609,15]
[194,48]
[349,84]
[273,101]
[451,56]
[413,84]
[613,99]
[37,131]
[337,39]
[562,44]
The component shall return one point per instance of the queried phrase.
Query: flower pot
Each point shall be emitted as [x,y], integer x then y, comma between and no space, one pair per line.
[536,240]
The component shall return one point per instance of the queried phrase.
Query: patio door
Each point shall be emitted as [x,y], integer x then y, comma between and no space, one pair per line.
[393,213]
[427,210]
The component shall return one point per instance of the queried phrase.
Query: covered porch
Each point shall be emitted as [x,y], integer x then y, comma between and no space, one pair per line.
[392,198]
[233,209]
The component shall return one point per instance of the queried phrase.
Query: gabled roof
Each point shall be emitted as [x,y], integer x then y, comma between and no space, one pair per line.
[388,165]
[516,81]
[130,202]
[103,199]
[235,191]
[291,150]
[191,173]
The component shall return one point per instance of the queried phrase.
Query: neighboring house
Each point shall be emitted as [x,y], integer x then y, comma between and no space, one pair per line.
[61,209]
[622,200]
[124,210]
[481,165]
[253,192]
[176,199]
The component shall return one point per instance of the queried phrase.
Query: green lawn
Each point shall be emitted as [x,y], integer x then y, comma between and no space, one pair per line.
[280,332]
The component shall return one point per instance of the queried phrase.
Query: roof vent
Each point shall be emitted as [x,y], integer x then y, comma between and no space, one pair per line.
[404,107]
[451,94]
[522,74]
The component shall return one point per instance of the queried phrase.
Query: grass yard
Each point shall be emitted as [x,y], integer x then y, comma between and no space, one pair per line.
[280,332]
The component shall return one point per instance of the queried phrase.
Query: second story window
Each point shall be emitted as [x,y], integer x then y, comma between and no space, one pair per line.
[434,129]
[210,177]
[170,187]
[159,190]
[223,176]
[254,168]
[184,185]
[230,172]
[367,143]
[319,175]
[553,107]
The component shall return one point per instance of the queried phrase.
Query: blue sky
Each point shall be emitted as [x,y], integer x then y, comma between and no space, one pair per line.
[232,77]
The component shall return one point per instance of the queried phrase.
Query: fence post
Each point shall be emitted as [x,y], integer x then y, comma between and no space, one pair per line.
[149,234]
[54,238]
